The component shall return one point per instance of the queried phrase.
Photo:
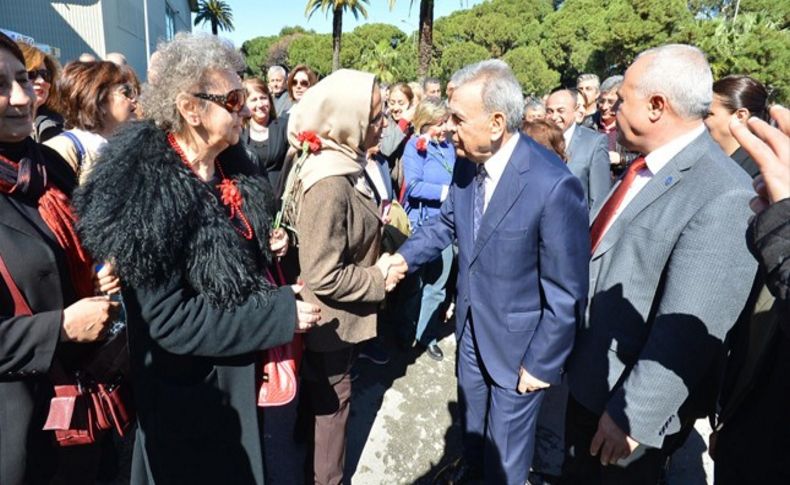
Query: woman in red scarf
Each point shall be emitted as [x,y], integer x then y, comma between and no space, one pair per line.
[48,310]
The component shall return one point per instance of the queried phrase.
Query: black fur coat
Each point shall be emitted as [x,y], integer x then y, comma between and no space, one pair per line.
[142,208]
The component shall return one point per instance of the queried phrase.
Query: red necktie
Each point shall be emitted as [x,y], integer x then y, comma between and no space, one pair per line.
[609,209]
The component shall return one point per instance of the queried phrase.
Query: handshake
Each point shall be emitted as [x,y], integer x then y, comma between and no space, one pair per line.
[393,267]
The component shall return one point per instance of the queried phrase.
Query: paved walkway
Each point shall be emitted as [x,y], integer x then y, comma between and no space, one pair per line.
[405,424]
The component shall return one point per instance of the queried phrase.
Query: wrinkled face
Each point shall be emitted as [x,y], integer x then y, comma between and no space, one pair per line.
[532,114]
[633,116]
[276,83]
[301,83]
[561,109]
[40,84]
[718,121]
[607,104]
[259,106]
[398,103]
[377,121]
[449,89]
[222,128]
[120,107]
[433,90]
[590,89]
[16,99]
[470,125]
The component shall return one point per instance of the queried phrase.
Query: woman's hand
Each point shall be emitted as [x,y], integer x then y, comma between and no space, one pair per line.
[307,314]
[278,242]
[87,320]
[105,281]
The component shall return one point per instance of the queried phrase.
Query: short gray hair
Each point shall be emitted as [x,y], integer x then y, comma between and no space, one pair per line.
[534,103]
[275,70]
[430,80]
[501,90]
[611,83]
[682,74]
[588,77]
[182,65]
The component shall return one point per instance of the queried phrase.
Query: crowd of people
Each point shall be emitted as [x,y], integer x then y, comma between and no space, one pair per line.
[192,266]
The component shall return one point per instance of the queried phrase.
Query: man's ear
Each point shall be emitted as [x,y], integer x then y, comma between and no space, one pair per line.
[657,107]
[498,126]
[188,109]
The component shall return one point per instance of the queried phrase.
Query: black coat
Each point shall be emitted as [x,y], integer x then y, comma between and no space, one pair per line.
[28,343]
[198,307]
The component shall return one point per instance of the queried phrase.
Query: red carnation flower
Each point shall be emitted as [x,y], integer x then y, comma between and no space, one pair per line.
[230,194]
[309,140]
[422,144]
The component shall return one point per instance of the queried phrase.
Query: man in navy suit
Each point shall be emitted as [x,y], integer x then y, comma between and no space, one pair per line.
[521,221]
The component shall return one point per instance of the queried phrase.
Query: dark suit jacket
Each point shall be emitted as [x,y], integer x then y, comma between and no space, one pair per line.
[524,279]
[28,343]
[588,159]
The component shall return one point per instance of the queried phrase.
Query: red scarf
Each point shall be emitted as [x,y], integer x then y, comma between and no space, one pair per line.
[57,214]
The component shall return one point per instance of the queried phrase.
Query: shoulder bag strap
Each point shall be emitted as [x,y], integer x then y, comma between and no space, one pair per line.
[21,308]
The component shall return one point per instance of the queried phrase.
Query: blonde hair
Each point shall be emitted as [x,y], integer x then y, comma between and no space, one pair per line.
[428,112]
[416,89]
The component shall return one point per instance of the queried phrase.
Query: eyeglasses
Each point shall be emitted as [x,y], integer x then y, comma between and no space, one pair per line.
[127,91]
[40,73]
[303,83]
[233,102]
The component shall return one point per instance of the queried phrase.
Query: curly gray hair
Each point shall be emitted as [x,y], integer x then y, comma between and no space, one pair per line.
[181,65]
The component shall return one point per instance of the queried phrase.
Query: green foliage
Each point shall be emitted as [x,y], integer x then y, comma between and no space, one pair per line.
[256,53]
[215,12]
[532,70]
[314,50]
[456,56]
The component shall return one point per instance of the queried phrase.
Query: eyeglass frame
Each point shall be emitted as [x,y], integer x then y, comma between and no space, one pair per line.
[304,83]
[222,99]
[45,74]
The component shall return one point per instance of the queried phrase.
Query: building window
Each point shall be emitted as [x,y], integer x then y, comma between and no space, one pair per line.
[170,22]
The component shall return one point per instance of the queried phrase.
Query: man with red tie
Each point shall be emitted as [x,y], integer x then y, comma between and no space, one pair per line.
[669,274]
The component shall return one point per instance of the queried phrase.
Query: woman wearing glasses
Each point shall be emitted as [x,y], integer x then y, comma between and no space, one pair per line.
[300,79]
[189,233]
[43,71]
[96,99]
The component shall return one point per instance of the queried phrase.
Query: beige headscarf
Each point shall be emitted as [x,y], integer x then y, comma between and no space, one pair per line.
[337,109]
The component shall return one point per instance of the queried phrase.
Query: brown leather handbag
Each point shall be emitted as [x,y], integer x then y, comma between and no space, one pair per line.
[82,409]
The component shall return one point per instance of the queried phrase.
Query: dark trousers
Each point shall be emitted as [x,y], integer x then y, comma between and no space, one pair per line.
[327,386]
[645,466]
[753,445]
[499,423]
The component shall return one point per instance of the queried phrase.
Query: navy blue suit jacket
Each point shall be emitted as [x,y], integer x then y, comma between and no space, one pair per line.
[525,278]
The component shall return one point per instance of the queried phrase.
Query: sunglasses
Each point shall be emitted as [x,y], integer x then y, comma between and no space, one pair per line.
[127,91]
[303,83]
[40,73]
[233,102]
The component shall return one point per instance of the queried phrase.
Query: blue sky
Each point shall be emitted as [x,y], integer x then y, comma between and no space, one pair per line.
[253,18]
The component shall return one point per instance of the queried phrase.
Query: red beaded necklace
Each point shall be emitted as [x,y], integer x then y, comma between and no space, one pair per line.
[229,193]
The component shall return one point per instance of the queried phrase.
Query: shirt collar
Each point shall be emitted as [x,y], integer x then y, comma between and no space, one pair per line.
[658,158]
[568,134]
[495,165]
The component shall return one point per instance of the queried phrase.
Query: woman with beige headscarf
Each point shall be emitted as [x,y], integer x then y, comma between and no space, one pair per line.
[339,232]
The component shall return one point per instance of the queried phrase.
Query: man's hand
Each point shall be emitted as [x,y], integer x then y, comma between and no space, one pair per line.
[770,149]
[528,383]
[278,242]
[307,314]
[610,443]
[393,267]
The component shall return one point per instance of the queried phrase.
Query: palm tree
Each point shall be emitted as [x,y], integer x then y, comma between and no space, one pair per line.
[338,7]
[217,12]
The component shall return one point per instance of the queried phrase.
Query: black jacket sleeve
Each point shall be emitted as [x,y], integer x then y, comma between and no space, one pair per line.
[183,323]
[769,242]
[28,343]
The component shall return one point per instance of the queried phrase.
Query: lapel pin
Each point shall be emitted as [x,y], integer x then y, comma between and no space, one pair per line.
[668,181]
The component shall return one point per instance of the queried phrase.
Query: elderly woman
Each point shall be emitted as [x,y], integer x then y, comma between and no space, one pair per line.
[189,233]
[300,79]
[428,162]
[266,134]
[96,99]
[43,71]
[47,308]
[339,231]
